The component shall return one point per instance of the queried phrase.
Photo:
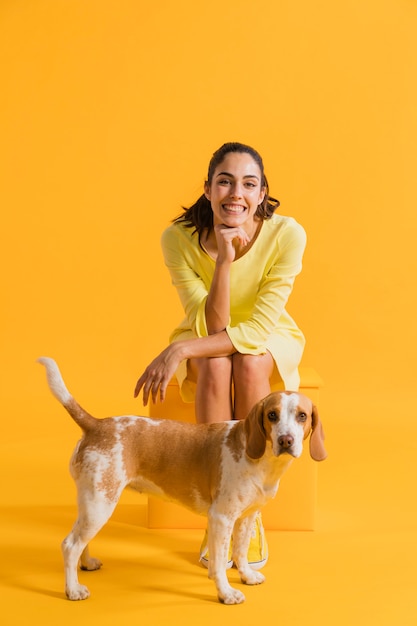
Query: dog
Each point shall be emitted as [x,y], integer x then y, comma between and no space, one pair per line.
[226,471]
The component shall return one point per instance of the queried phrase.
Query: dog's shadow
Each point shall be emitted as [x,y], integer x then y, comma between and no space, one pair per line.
[136,517]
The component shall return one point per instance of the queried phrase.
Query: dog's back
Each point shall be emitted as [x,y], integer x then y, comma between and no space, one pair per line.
[158,456]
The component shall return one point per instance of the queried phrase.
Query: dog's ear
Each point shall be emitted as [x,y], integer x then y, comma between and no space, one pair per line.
[317,449]
[255,432]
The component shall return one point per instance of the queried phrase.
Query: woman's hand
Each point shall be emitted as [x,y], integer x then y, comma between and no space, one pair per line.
[225,237]
[157,375]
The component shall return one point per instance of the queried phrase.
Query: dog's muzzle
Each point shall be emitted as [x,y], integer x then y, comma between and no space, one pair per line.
[286,445]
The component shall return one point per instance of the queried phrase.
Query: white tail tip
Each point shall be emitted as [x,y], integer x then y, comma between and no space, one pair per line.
[55,380]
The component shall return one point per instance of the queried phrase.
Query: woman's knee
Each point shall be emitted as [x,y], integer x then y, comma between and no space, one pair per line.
[250,368]
[212,370]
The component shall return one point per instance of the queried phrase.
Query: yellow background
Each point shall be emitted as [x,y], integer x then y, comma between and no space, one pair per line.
[110,112]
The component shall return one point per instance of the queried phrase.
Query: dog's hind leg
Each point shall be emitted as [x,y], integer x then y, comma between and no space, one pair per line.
[94,512]
[87,562]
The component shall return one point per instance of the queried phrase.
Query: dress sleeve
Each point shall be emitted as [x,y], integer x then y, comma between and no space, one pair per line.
[250,336]
[180,258]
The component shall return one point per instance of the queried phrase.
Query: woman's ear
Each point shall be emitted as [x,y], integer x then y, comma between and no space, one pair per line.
[207,191]
[262,195]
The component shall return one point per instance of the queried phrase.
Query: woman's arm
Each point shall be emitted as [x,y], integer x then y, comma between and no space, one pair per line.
[218,300]
[204,292]
[157,375]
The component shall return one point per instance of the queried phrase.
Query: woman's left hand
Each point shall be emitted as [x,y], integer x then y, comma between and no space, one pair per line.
[157,375]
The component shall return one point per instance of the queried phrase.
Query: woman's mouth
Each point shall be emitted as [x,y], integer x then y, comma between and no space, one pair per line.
[236,209]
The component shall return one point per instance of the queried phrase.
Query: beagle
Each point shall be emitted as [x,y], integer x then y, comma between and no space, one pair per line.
[226,471]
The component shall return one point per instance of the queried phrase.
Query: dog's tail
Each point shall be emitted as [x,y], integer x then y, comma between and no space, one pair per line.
[61,393]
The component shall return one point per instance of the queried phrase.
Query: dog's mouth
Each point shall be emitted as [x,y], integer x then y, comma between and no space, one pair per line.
[288,451]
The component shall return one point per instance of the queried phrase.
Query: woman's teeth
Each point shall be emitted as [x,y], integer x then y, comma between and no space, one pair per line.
[234,208]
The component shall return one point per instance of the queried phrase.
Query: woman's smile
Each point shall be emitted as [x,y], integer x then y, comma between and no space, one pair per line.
[235,209]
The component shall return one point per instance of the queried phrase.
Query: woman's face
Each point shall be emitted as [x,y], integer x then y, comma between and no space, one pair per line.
[235,190]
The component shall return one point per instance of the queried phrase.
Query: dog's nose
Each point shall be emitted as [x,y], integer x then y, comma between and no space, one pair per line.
[285,441]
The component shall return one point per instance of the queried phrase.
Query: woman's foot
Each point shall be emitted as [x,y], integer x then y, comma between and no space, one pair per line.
[258,548]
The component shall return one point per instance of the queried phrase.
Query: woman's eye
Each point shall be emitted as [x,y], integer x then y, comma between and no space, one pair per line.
[224,182]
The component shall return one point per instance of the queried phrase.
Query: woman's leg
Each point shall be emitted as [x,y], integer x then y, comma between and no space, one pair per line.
[213,376]
[251,374]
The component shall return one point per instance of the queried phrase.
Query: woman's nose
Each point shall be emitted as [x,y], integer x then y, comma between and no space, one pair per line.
[236,191]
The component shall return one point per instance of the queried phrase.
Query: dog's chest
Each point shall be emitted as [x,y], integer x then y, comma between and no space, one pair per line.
[252,482]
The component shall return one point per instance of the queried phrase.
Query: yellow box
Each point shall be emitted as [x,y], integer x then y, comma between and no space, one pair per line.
[293,508]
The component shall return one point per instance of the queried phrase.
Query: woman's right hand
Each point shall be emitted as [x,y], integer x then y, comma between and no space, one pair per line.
[225,237]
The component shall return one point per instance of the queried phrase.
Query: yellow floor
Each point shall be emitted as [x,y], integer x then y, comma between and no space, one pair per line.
[358,568]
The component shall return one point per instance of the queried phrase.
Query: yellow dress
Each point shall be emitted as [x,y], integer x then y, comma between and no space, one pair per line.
[260,284]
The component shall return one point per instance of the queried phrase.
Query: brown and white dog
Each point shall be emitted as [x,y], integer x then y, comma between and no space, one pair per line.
[226,471]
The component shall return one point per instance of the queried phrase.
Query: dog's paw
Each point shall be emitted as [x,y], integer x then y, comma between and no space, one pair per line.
[251,577]
[79,592]
[232,596]
[90,564]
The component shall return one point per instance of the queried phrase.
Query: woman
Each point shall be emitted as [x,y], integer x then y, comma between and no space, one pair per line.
[233,262]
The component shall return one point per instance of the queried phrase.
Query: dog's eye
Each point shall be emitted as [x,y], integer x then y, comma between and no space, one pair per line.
[302,417]
[272,416]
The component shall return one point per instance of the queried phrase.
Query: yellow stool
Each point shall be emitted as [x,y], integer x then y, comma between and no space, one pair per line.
[293,508]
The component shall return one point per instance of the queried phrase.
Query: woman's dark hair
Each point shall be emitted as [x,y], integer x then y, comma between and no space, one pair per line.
[200,215]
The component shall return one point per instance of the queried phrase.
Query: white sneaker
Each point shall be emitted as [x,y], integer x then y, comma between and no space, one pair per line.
[258,548]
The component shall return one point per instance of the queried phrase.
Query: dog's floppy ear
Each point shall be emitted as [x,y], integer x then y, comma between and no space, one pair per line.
[255,432]
[317,449]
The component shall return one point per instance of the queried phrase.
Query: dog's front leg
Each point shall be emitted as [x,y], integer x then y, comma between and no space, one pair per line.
[219,535]
[241,539]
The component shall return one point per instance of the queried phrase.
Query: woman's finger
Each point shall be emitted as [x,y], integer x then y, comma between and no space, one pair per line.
[139,386]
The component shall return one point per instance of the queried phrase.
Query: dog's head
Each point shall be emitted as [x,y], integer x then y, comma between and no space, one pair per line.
[284,419]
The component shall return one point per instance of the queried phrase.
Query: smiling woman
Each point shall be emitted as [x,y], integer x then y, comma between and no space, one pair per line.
[233,262]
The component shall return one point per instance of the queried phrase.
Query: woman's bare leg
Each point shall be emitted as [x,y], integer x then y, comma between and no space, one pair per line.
[213,402]
[251,376]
